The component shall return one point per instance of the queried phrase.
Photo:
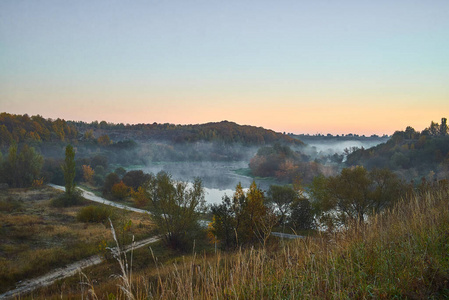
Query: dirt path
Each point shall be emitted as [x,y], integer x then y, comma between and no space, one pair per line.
[90,196]
[27,286]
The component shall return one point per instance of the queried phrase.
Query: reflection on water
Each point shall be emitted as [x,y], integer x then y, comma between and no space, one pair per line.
[218,177]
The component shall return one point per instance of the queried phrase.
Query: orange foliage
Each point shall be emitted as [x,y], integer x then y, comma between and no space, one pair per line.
[140,197]
[120,190]
[88,173]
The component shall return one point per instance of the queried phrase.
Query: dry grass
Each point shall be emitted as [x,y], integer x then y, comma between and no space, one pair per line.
[403,253]
[36,237]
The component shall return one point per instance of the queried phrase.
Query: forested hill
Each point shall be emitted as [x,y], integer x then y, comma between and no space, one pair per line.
[21,128]
[411,153]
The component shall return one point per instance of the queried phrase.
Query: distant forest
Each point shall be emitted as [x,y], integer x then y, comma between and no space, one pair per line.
[23,128]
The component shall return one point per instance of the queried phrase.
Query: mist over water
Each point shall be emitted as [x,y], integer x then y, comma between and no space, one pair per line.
[219,178]
[338,147]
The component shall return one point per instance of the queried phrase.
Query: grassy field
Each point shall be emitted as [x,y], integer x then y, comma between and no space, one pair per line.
[402,254]
[36,237]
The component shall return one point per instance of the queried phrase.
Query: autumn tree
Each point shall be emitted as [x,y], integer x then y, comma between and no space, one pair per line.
[88,173]
[104,140]
[120,190]
[244,219]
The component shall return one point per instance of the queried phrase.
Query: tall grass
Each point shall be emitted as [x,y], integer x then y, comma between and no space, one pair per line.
[403,253]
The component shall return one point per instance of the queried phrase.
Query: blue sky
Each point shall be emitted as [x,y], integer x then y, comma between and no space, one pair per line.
[296,66]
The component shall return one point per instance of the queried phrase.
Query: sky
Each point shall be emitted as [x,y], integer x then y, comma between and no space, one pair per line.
[365,67]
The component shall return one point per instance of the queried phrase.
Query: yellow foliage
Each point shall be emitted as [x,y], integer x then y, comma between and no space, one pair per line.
[38,182]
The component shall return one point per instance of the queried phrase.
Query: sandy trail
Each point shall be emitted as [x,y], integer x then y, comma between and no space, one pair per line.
[90,196]
[27,286]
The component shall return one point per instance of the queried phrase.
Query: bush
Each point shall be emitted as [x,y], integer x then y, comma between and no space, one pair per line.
[93,214]
[65,200]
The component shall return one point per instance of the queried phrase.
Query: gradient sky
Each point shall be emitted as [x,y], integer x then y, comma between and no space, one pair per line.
[296,66]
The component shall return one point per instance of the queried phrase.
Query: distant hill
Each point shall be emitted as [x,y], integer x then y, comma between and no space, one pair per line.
[22,128]
[411,153]
[224,132]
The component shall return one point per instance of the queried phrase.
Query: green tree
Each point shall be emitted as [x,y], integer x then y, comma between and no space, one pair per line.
[355,193]
[109,182]
[69,170]
[443,127]
[245,220]
[29,164]
[301,217]
[176,208]
[22,167]
[282,198]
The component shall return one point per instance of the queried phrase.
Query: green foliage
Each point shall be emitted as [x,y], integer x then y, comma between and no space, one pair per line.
[243,220]
[120,171]
[356,193]
[412,154]
[301,216]
[94,214]
[282,197]
[69,170]
[65,200]
[109,182]
[21,168]
[176,209]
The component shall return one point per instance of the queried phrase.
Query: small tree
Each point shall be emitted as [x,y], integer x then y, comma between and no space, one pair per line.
[245,220]
[282,197]
[176,208]
[69,170]
[120,190]
[88,173]
[22,168]
[301,217]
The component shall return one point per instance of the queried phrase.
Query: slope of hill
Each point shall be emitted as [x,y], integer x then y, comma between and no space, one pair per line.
[411,153]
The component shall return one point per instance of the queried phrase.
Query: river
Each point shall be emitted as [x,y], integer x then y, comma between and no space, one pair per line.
[219,178]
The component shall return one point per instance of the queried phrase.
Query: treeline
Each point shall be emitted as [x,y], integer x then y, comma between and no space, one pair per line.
[410,153]
[223,132]
[35,129]
[23,128]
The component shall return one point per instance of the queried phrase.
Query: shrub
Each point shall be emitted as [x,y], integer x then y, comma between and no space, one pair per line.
[65,200]
[93,214]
